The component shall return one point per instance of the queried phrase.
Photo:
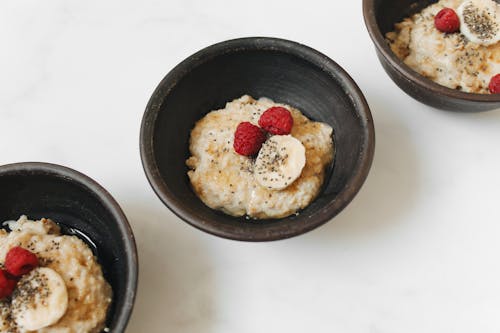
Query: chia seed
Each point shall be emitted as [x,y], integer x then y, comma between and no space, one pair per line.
[482,23]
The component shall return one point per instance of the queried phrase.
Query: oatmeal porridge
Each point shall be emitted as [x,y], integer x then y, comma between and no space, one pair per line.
[65,292]
[285,176]
[466,59]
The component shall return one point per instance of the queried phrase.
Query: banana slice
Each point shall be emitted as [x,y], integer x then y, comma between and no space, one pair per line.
[40,300]
[280,162]
[480,21]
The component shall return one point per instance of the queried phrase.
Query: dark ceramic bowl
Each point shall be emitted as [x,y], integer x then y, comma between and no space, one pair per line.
[380,17]
[284,71]
[82,207]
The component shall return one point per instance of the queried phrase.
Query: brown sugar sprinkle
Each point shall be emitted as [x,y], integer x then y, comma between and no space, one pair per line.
[45,261]
[481,22]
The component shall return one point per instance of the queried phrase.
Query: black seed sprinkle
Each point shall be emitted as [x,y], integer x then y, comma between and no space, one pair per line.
[481,22]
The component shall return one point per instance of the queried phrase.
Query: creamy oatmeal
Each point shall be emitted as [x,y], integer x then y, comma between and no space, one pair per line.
[226,181]
[452,60]
[69,282]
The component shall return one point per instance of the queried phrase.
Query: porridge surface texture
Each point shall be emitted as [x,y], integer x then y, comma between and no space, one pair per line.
[89,295]
[448,59]
[224,180]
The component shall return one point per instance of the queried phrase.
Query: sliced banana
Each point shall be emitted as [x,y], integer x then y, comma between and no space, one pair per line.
[40,300]
[480,21]
[280,162]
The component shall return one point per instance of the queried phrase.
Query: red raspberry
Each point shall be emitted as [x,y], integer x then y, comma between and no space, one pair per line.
[277,120]
[447,20]
[20,261]
[248,139]
[495,84]
[7,285]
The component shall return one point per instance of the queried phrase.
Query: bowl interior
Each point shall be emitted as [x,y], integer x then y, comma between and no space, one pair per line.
[207,81]
[388,13]
[43,193]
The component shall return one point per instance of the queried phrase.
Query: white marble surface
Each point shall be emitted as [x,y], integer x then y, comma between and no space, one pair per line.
[416,251]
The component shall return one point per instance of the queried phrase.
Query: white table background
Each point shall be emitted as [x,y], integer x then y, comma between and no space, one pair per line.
[416,251]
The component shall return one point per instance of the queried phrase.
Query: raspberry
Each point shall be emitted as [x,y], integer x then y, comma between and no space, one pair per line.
[20,261]
[447,20]
[495,84]
[248,139]
[7,285]
[277,120]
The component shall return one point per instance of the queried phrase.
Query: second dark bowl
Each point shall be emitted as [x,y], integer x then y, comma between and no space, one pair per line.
[380,17]
[284,71]
[82,208]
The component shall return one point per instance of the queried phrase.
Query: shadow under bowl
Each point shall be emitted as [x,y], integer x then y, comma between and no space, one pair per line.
[286,72]
[82,208]
[380,17]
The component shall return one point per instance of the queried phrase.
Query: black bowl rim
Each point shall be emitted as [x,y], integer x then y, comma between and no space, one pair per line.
[409,74]
[30,168]
[319,60]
